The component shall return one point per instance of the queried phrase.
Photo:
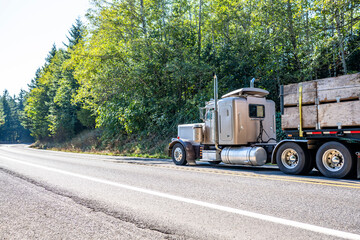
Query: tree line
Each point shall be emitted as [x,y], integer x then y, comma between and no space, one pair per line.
[11,115]
[141,67]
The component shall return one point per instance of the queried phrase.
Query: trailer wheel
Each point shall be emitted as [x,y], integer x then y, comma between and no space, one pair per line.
[179,154]
[334,160]
[292,159]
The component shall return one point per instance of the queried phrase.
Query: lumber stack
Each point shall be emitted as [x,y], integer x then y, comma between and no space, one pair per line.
[326,103]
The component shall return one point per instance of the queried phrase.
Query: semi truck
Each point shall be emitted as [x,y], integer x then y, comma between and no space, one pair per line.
[320,118]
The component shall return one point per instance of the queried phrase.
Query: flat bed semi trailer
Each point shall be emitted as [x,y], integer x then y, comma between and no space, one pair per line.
[320,119]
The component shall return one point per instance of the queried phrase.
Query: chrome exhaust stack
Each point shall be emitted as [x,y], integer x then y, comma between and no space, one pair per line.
[216,120]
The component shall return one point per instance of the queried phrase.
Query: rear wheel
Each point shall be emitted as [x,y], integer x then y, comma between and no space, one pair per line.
[334,159]
[179,154]
[292,159]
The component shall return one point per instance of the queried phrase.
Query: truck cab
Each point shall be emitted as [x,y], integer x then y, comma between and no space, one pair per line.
[246,131]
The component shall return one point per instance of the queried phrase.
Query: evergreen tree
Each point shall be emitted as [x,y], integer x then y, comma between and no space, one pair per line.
[6,128]
[51,54]
[49,110]
[11,129]
[76,33]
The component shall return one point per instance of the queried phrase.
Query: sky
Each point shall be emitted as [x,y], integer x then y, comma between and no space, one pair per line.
[28,29]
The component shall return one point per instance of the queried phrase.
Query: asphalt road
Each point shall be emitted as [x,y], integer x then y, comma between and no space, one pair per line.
[55,195]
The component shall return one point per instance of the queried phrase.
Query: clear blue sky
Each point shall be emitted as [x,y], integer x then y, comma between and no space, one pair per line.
[28,29]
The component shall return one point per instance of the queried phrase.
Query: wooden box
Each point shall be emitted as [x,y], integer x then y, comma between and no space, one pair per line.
[291,119]
[326,103]
[291,94]
[341,88]
[345,114]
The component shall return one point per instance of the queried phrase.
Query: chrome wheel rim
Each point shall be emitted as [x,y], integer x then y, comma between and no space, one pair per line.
[290,158]
[333,160]
[178,154]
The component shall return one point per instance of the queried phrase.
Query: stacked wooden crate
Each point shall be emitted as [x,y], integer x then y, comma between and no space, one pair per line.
[326,103]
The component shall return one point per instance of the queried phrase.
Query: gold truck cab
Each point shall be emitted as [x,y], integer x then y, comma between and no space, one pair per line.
[245,119]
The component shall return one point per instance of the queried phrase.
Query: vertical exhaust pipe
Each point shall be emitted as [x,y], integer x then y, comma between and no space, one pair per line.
[282,99]
[216,119]
[252,83]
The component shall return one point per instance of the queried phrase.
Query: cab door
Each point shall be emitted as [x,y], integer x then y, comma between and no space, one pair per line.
[226,123]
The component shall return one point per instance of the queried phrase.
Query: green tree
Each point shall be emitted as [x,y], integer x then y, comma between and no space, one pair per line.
[76,34]
[141,67]
[11,129]
[6,130]
[49,109]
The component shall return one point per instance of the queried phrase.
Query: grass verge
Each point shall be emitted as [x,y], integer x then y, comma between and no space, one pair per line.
[93,141]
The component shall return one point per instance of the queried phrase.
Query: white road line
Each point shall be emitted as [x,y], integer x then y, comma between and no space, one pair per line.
[305,226]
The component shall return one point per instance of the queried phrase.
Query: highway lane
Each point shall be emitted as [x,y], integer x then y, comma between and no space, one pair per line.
[161,200]
[32,212]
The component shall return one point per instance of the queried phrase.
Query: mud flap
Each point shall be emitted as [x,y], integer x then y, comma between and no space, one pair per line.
[190,153]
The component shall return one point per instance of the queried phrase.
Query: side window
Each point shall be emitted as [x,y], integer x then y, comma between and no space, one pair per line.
[209,114]
[256,111]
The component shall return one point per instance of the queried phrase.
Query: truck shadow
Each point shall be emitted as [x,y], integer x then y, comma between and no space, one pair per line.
[273,170]
[264,170]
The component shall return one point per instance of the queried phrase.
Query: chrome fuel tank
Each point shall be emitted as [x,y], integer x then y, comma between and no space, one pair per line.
[255,156]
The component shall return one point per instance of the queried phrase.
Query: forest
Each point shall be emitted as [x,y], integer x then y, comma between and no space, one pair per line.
[11,115]
[136,69]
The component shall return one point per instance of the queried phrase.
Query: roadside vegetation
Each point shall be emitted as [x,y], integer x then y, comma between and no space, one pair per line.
[11,115]
[123,82]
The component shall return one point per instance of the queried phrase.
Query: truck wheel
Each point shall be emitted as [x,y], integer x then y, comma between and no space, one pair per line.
[292,159]
[179,154]
[334,160]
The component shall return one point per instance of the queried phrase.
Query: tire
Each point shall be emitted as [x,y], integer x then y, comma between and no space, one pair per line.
[178,154]
[334,160]
[292,159]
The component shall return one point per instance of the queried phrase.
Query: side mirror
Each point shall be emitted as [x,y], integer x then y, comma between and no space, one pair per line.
[202,113]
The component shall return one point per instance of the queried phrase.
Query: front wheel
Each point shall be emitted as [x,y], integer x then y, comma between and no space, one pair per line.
[179,154]
[292,159]
[334,160]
